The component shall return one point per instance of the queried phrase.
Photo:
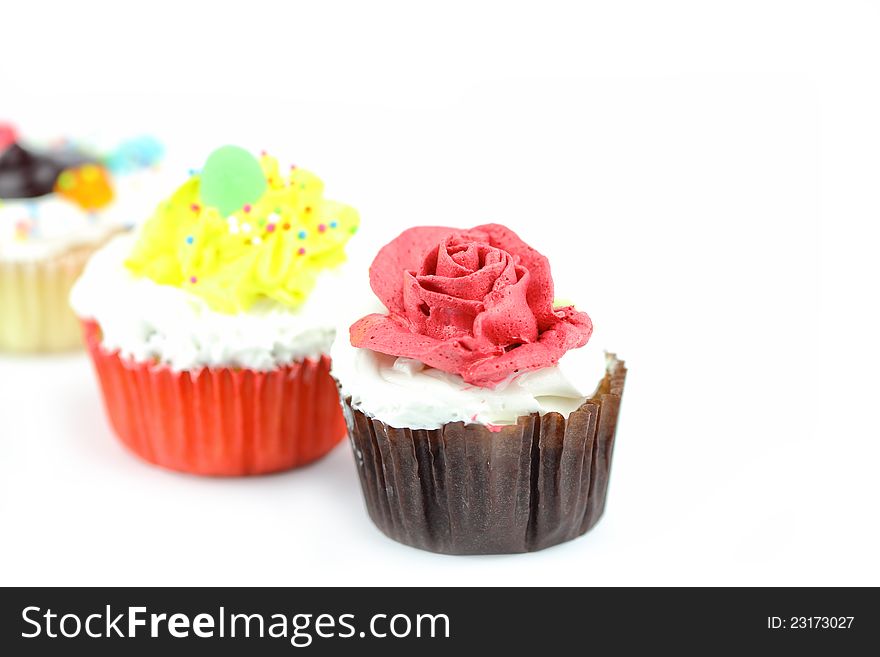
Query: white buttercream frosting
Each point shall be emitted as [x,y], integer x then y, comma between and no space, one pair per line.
[146,321]
[61,225]
[403,392]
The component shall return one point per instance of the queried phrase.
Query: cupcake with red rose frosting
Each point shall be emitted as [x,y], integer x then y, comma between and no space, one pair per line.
[210,329]
[482,413]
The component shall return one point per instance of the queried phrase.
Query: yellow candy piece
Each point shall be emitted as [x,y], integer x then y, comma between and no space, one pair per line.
[87,185]
[271,249]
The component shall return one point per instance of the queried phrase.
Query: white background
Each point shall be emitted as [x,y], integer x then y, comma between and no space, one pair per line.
[703,175]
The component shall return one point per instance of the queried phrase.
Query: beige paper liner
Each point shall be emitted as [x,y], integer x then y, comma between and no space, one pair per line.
[464,489]
[35,313]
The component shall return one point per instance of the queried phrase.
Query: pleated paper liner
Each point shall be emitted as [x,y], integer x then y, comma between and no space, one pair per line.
[35,314]
[222,422]
[465,489]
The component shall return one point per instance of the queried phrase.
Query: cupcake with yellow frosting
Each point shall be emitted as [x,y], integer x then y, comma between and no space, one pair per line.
[210,328]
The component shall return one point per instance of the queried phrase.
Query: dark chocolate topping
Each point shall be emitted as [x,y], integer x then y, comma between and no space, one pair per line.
[25,174]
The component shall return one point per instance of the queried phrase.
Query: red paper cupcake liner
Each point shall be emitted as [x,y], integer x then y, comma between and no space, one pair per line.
[224,421]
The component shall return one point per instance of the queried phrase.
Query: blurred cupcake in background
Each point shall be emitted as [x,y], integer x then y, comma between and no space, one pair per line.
[210,329]
[138,175]
[482,411]
[58,204]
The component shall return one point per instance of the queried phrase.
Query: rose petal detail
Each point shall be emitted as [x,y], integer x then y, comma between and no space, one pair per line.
[540,295]
[508,320]
[383,334]
[437,314]
[475,302]
[406,253]
[546,352]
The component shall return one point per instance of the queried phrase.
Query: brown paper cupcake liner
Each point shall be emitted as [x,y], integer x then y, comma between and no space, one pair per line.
[465,489]
[35,313]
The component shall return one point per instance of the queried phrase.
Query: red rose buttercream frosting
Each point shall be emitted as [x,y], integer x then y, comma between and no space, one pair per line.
[477,303]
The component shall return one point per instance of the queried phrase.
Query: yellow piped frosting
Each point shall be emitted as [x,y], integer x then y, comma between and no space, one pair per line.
[273,248]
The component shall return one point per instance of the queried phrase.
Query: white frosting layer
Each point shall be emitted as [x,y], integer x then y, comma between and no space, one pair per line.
[403,392]
[146,321]
[61,225]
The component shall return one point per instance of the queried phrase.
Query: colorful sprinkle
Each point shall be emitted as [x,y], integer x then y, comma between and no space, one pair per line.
[301,251]
[193,280]
[270,228]
[247,207]
[190,239]
[333,224]
[301,234]
[195,207]
[286,226]
[23,229]
[322,228]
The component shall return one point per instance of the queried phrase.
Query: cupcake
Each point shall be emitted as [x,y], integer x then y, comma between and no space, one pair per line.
[482,414]
[57,206]
[210,329]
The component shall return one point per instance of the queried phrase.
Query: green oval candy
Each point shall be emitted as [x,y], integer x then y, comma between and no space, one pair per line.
[230,179]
